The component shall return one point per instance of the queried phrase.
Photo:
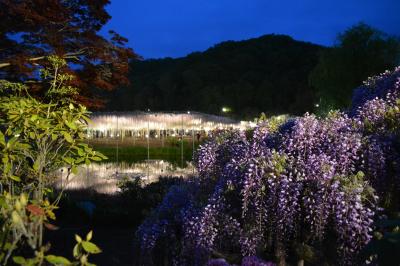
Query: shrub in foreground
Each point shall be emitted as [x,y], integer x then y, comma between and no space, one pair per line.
[38,135]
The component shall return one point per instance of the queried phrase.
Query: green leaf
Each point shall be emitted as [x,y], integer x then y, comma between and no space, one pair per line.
[13,117]
[2,139]
[68,160]
[36,165]
[78,239]
[81,152]
[87,119]
[84,145]
[34,118]
[7,167]
[70,125]
[89,235]
[96,158]
[90,247]
[57,260]
[75,251]
[74,169]
[101,155]
[12,142]
[15,178]
[67,137]
[16,218]
[19,260]
[79,160]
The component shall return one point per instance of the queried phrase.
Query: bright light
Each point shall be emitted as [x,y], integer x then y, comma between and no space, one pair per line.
[139,122]
[226,109]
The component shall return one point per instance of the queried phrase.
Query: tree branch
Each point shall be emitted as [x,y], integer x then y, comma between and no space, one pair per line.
[33,59]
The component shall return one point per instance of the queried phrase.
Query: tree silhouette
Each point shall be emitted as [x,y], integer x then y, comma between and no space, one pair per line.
[360,52]
[33,29]
[266,74]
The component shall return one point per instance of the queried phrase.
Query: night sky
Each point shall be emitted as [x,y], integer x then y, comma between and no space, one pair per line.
[174,28]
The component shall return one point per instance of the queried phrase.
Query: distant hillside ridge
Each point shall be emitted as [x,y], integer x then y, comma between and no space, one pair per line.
[266,74]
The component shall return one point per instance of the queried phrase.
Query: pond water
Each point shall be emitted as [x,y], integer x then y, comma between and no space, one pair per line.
[104,177]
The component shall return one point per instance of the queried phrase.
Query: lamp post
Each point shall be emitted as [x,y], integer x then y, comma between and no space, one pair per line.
[183,131]
[192,139]
[148,143]
[116,170]
[226,109]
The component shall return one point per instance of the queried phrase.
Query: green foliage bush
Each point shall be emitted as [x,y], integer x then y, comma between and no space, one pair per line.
[38,135]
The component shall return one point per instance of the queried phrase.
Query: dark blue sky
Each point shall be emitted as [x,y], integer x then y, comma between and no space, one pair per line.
[174,28]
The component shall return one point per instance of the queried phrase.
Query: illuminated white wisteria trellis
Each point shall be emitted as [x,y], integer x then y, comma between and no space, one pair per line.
[103,178]
[156,124]
[145,125]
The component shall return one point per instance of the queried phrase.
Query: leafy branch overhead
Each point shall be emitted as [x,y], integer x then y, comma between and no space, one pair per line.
[69,29]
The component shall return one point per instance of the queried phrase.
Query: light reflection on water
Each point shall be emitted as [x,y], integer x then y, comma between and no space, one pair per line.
[104,177]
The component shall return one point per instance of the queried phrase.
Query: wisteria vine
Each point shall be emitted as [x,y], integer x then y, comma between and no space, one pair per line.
[306,181]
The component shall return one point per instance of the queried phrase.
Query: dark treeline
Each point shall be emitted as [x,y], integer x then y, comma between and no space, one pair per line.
[359,52]
[273,74]
[266,74]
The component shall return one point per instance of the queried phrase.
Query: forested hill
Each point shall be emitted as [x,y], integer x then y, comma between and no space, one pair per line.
[266,74]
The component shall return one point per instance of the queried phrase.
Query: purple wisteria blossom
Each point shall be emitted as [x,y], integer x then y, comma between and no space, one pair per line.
[309,181]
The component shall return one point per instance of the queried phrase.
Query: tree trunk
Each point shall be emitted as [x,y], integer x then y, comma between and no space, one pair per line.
[280,254]
[300,262]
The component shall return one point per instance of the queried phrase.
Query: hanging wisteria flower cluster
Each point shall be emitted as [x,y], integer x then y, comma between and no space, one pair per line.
[308,182]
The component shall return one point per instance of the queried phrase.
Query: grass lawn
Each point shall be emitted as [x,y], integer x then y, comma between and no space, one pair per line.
[169,151]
